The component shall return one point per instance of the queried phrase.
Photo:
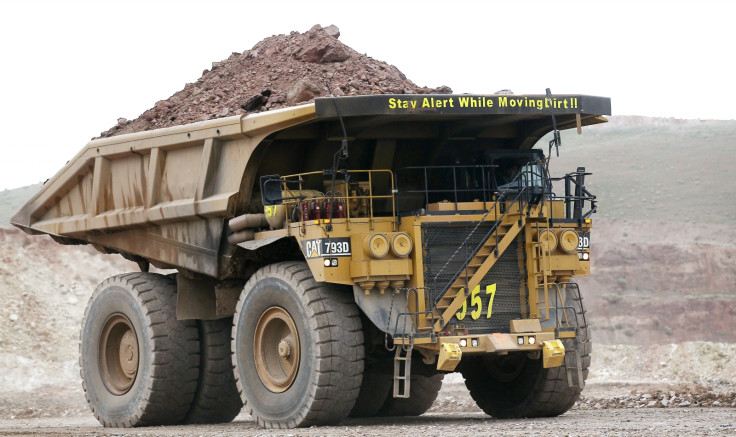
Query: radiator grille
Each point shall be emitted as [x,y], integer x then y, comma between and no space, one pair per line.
[439,242]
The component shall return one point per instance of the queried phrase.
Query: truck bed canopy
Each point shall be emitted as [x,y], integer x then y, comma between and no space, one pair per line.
[513,121]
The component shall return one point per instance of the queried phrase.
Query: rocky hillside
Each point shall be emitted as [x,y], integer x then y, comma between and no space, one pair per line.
[661,282]
[12,200]
[656,168]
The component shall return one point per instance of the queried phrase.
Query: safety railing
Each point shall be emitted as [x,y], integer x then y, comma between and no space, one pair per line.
[351,197]
[576,195]
[406,322]
[455,183]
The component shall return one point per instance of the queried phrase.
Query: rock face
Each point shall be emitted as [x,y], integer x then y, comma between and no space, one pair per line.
[280,71]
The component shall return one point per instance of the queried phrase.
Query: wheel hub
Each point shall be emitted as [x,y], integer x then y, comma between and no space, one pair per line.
[118,354]
[276,349]
[284,349]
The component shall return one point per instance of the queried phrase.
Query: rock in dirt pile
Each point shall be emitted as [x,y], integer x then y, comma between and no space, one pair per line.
[280,71]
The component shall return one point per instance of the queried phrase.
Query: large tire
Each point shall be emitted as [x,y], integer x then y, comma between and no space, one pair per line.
[377,383]
[425,384]
[297,348]
[139,365]
[515,385]
[217,399]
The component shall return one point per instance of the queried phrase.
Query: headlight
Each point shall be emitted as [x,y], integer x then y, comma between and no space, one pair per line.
[463,342]
[548,240]
[377,245]
[569,240]
[401,244]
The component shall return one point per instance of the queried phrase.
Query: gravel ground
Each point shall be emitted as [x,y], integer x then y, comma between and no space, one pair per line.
[607,422]
[607,408]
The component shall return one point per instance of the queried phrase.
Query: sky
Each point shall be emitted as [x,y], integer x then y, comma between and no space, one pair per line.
[70,69]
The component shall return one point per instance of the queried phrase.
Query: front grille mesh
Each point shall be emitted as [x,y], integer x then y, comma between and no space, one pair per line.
[440,241]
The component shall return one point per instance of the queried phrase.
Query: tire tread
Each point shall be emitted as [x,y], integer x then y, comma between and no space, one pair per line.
[335,319]
[175,352]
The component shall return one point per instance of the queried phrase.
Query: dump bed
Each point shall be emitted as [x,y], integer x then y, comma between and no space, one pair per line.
[164,196]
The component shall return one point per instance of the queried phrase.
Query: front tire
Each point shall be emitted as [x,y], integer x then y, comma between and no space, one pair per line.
[425,384]
[139,365]
[514,385]
[297,348]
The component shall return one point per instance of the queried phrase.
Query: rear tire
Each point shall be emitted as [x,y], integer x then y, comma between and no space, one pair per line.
[376,384]
[217,399]
[139,365]
[514,385]
[425,384]
[297,348]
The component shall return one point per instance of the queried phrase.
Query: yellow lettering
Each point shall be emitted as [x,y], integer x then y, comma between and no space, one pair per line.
[392,103]
[490,289]
[461,314]
[476,302]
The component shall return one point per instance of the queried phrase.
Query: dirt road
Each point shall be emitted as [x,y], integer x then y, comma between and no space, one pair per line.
[614,422]
[606,409]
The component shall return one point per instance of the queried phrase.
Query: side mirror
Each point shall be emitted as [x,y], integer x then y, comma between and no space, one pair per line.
[271,190]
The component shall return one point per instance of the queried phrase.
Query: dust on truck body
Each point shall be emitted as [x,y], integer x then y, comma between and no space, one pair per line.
[333,259]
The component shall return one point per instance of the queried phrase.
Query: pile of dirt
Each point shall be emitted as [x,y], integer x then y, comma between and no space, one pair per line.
[660,399]
[280,71]
[454,398]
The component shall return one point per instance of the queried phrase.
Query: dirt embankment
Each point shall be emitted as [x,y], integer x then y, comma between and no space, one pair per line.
[657,282]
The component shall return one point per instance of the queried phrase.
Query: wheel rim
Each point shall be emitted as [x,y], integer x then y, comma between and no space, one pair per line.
[118,354]
[276,349]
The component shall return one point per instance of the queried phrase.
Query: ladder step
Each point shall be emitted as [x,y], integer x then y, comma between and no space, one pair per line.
[574,370]
[402,380]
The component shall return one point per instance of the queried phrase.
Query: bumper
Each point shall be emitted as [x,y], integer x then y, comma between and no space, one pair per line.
[498,342]
[452,348]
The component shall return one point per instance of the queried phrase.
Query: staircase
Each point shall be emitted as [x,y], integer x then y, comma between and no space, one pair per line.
[477,267]
[509,214]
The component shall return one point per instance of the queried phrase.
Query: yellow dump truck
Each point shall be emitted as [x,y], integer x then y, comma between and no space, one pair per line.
[333,259]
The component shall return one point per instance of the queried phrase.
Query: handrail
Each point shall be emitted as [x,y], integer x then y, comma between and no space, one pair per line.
[486,190]
[370,197]
[576,194]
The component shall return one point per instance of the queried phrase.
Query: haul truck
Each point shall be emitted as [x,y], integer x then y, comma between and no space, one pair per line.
[332,259]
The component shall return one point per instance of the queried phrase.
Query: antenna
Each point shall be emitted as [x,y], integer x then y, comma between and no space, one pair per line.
[341,154]
[344,147]
[556,141]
